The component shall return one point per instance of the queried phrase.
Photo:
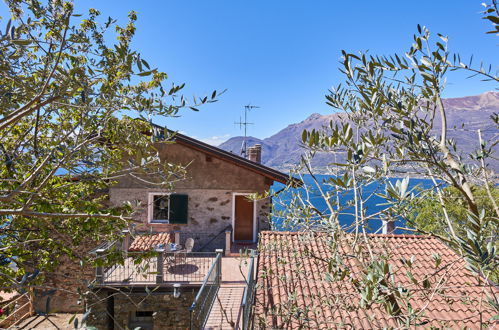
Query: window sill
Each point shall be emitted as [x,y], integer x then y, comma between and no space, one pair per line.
[167,224]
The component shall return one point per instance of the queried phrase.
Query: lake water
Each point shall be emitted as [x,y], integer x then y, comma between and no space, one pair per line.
[373,205]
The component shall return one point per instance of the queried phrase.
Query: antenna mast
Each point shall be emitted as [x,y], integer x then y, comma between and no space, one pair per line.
[245,124]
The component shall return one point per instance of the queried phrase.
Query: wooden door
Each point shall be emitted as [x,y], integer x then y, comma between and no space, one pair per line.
[243,222]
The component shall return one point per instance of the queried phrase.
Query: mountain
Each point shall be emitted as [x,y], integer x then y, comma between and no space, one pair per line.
[282,150]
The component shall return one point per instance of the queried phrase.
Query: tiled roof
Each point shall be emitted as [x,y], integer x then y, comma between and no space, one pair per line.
[149,242]
[297,286]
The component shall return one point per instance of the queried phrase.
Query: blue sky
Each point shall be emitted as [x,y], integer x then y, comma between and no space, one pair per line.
[283,55]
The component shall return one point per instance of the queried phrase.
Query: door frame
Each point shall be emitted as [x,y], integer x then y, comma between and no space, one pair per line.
[234,194]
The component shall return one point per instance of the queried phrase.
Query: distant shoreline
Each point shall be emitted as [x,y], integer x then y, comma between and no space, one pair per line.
[399,175]
[494,179]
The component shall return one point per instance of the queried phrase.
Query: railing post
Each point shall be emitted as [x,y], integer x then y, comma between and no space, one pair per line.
[228,242]
[99,270]
[159,266]
[219,264]
[126,241]
[177,236]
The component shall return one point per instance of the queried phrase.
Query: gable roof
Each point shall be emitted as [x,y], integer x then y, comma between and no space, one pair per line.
[293,290]
[213,151]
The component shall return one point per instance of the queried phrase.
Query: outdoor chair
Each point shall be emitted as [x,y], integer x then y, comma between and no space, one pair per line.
[189,245]
[181,256]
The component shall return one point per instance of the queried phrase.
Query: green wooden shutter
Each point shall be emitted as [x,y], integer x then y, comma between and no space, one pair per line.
[178,208]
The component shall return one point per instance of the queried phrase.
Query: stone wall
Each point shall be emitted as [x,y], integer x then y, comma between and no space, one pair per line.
[210,185]
[168,312]
[264,207]
[209,209]
[209,213]
[63,284]
[203,172]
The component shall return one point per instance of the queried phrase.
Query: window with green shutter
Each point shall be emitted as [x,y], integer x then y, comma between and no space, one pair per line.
[178,208]
[168,208]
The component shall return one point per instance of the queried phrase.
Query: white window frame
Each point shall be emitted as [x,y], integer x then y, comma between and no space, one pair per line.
[150,208]
[234,194]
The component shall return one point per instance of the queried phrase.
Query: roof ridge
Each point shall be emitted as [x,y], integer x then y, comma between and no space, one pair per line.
[286,232]
[264,170]
[402,236]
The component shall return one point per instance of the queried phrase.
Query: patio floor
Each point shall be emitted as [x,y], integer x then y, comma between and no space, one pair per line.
[234,270]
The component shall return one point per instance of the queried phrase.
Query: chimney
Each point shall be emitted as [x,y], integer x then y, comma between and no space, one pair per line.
[255,153]
[388,227]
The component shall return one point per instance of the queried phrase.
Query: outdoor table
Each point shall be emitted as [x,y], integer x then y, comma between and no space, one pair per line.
[175,248]
[172,249]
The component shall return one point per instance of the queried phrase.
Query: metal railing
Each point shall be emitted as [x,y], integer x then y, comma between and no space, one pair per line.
[249,294]
[220,237]
[165,267]
[205,241]
[201,307]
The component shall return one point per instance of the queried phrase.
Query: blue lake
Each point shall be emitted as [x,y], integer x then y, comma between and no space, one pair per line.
[372,206]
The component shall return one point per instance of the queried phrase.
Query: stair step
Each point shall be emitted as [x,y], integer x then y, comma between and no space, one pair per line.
[225,311]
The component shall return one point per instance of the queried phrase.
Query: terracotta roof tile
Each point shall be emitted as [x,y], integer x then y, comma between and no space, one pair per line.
[294,289]
[149,242]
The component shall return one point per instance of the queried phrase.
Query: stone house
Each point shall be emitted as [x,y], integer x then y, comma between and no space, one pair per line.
[211,202]
[214,206]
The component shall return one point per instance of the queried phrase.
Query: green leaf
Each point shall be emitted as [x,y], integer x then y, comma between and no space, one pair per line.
[445,39]
[411,277]
[146,73]
[144,62]
[22,42]
[493,19]
[426,61]
[368,169]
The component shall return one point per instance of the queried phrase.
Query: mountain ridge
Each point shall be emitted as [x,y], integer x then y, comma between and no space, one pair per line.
[282,150]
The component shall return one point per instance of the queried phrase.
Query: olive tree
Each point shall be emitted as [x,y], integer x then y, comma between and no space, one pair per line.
[75,101]
[394,120]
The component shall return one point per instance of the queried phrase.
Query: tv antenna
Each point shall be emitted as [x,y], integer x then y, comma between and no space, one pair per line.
[245,123]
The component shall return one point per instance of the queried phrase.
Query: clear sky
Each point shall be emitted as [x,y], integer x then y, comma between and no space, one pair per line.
[283,55]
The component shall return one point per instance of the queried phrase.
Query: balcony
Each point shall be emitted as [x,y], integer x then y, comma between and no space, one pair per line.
[165,268]
[218,281]
[224,287]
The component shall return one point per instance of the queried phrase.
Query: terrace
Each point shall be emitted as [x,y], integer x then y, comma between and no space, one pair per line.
[165,266]
[163,269]
[210,274]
